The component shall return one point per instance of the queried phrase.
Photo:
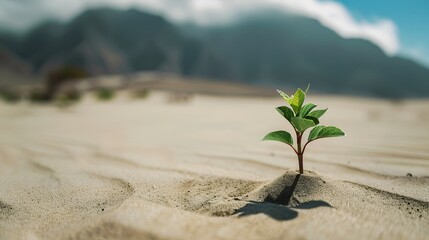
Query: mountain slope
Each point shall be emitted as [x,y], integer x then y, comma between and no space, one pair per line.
[291,50]
[104,41]
[276,50]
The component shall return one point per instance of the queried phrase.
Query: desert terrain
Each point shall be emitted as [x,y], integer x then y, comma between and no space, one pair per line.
[168,167]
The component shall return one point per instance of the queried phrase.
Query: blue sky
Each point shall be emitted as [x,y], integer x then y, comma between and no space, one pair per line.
[410,16]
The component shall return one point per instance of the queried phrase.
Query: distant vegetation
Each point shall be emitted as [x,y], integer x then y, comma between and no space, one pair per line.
[55,86]
[105,94]
[61,76]
[68,98]
[302,117]
[10,96]
[140,93]
[38,95]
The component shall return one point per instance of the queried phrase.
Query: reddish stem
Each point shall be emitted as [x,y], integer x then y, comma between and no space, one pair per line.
[300,152]
[303,150]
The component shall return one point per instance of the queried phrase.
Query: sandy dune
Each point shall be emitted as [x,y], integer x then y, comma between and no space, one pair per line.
[159,169]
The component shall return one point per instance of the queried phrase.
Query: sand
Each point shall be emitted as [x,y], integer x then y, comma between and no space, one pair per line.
[162,168]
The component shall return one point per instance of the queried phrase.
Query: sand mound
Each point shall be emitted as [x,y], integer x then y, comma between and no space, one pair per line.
[223,197]
[289,188]
[213,196]
[284,197]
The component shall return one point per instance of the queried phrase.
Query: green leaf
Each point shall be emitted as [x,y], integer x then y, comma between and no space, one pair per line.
[301,124]
[315,120]
[314,133]
[325,132]
[286,112]
[297,100]
[306,109]
[317,113]
[284,95]
[306,90]
[279,136]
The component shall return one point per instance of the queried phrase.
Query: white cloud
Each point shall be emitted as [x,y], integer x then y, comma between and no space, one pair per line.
[382,32]
[332,14]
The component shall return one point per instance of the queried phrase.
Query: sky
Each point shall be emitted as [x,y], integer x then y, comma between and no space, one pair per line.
[397,26]
[411,18]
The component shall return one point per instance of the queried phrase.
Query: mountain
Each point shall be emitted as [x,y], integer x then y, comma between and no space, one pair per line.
[105,41]
[276,50]
[10,61]
[14,71]
[288,50]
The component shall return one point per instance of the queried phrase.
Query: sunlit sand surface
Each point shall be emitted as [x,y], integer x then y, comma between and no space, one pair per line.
[174,167]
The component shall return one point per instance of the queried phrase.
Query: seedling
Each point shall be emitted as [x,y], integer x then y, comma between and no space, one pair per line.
[302,117]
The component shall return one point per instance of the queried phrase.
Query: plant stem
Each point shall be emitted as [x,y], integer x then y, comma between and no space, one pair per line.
[301,164]
[303,150]
[300,153]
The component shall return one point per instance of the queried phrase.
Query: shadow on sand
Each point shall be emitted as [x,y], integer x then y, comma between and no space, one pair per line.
[285,195]
[277,208]
[275,211]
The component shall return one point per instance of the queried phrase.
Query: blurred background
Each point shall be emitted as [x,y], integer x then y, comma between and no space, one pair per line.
[366,48]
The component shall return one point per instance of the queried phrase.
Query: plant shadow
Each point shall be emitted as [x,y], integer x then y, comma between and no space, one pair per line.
[275,211]
[285,195]
[277,208]
[313,204]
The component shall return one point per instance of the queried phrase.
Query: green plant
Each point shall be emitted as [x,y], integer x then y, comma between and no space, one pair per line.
[10,96]
[38,96]
[302,117]
[105,94]
[68,98]
[61,76]
[140,93]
